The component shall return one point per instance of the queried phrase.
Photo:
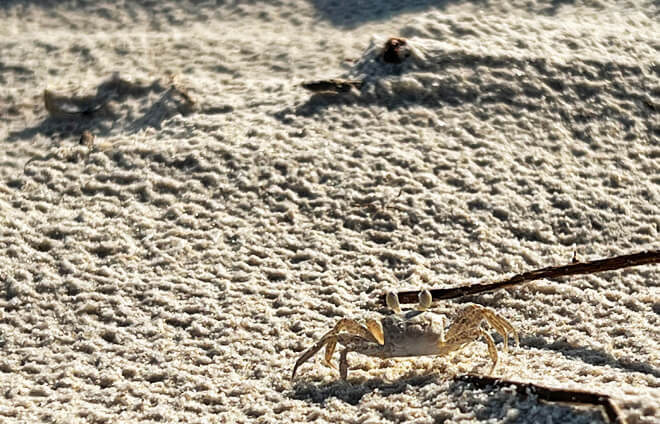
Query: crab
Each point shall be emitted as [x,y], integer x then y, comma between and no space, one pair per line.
[415,332]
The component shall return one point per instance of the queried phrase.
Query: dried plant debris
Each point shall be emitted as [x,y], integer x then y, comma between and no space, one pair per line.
[332,85]
[550,394]
[574,268]
[396,50]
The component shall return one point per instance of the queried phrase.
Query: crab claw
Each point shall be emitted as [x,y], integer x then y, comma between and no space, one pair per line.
[329,350]
[376,330]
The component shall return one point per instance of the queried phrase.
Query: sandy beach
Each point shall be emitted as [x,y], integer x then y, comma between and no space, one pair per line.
[192,193]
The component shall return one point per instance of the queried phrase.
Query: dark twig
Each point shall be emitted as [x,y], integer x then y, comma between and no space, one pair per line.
[600,265]
[550,394]
[332,85]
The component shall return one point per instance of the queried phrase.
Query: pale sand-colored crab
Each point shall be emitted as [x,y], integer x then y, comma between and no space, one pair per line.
[410,333]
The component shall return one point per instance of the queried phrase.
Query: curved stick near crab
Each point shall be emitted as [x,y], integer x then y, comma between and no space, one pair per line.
[410,333]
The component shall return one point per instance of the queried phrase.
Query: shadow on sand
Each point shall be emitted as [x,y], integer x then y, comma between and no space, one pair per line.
[109,109]
[340,13]
[506,406]
[352,13]
[353,393]
[590,356]
[484,404]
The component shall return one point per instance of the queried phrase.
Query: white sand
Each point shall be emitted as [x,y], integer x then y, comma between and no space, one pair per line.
[176,272]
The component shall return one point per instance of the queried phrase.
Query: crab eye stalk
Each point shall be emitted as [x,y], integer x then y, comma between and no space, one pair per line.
[392,301]
[425,300]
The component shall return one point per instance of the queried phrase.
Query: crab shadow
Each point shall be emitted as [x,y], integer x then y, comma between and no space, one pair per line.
[62,128]
[493,403]
[352,393]
[118,105]
[442,95]
[485,404]
[589,356]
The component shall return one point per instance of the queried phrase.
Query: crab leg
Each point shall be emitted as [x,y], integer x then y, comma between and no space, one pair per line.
[500,325]
[492,350]
[343,364]
[329,350]
[467,328]
[374,333]
[312,351]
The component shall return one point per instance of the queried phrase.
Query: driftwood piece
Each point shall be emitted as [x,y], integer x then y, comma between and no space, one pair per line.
[575,268]
[550,394]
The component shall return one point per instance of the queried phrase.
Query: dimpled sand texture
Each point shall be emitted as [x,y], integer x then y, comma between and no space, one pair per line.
[218,218]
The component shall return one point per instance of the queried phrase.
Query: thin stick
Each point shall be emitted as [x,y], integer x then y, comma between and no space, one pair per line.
[550,394]
[600,265]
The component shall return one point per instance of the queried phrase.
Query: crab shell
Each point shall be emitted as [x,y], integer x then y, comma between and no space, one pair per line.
[410,333]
